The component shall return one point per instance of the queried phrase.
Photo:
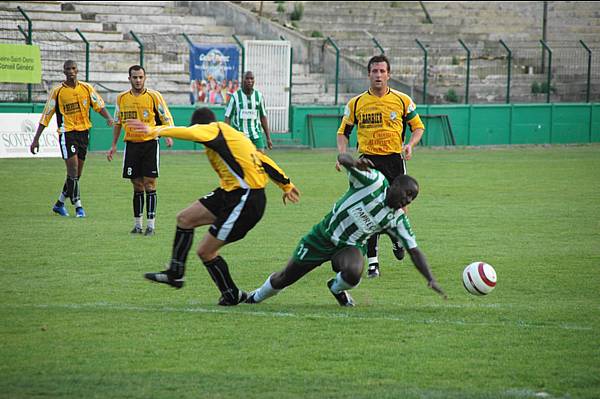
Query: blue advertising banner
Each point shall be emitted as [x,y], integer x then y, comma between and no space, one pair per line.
[214,71]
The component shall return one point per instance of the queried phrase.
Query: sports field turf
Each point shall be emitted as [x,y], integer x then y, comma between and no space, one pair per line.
[77,320]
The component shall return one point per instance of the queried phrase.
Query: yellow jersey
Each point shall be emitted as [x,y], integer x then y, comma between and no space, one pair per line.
[232,155]
[381,121]
[149,107]
[72,107]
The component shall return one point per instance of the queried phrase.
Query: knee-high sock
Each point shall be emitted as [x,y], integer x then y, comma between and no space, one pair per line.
[181,245]
[151,207]
[339,284]
[219,272]
[265,291]
[63,195]
[372,248]
[73,189]
[138,204]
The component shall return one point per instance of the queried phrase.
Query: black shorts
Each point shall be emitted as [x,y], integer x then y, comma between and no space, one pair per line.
[237,211]
[141,159]
[74,143]
[391,165]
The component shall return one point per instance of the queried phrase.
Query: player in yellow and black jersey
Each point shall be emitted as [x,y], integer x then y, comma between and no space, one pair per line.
[381,115]
[71,102]
[231,210]
[141,160]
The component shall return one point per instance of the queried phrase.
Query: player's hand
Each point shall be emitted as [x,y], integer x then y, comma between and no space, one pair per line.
[436,287]
[408,152]
[269,144]
[293,196]
[110,122]
[34,147]
[338,166]
[110,153]
[138,125]
[169,142]
[363,164]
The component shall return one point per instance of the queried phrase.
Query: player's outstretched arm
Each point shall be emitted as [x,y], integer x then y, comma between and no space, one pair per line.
[348,161]
[422,266]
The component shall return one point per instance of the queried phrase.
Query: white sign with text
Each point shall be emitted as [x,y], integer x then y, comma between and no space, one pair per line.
[17,132]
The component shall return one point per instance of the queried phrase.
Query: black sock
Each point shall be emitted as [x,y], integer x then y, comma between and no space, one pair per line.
[150,204]
[64,194]
[73,189]
[372,246]
[138,204]
[182,244]
[219,272]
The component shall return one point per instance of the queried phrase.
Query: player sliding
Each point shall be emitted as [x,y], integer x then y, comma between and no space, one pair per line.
[369,206]
[231,210]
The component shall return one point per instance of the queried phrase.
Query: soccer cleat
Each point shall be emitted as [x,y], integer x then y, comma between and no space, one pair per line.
[373,270]
[166,277]
[343,297]
[250,299]
[242,297]
[398,250]
[137,230]
[79,212]
[60,210]
[149,231]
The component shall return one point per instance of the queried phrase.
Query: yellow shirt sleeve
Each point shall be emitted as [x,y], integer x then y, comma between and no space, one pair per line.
[275,173]
[198,133]
[348,119]
[96,100]
[50,107]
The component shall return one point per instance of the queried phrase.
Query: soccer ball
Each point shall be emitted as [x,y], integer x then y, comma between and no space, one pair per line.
[479,278]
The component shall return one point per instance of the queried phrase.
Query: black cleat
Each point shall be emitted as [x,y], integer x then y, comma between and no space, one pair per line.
[373,270]
[343,298]
[149,231]
[224,301]
[398,250]
[165,277]
[136,230]
[250,299]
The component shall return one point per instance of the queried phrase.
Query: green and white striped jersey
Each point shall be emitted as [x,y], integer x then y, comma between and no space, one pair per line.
[245,112]
[361,212]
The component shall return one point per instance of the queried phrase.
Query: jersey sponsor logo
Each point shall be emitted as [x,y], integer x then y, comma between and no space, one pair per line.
[145,113]
[362,218]
[371,120]
[126,115]
[72,107]
[248,114]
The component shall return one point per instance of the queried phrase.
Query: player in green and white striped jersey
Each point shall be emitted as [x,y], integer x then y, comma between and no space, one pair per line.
[246,113]
[371,205]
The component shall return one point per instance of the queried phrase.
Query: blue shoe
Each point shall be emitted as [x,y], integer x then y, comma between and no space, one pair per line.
[61,210]
[79,212]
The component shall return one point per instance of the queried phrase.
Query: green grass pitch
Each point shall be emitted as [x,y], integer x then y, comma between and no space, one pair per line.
[78,320]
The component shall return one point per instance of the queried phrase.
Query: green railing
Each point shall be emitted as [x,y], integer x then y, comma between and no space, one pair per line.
[425,54]
[549,78]
[243,51]
[29,40]
[87,54]
[337,66]
[508,69]
[140,45]
[589,71]
[468,69]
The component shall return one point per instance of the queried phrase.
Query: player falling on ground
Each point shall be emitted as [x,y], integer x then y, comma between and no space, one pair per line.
[231,210]
[371,205]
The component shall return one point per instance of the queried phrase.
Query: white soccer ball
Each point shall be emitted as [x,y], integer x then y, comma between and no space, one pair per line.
[479,278]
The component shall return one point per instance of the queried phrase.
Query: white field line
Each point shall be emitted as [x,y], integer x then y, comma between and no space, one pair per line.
[328,316]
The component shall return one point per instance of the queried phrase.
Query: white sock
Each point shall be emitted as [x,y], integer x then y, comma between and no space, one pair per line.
[78,204]
[150,223]
[265,291]
[138,222]
[62,198]
[340,285]
[372,260]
